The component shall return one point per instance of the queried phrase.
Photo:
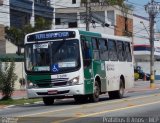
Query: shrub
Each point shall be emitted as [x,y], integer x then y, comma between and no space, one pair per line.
[7,79]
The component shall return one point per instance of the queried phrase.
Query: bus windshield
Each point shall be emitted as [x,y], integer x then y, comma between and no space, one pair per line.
[56,56]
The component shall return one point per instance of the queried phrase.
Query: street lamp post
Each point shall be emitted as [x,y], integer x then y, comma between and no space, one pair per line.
[152,9]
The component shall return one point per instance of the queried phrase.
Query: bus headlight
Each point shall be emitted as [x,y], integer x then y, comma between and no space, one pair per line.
[73,81]
[32,85]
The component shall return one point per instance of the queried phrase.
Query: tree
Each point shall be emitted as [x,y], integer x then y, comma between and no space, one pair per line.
[16,35]
[115,2]
[42,24]
[7,79]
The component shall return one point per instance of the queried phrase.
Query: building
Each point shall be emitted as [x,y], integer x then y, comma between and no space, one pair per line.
[105,19]
[17,13]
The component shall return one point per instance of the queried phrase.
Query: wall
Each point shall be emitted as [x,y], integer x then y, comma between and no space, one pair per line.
[120,26]
[19,71]
[4,14]
[64,3]
[2,40]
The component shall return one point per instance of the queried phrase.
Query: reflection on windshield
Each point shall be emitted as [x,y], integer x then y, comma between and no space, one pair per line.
[57,56]
[37,57]
[65,55]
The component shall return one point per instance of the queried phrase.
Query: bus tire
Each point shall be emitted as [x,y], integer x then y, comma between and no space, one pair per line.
[48,100]
[111,94]
[119,93]
[95,96]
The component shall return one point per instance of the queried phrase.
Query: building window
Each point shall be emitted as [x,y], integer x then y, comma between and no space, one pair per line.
[110,17]
[73,1]
[43,2]
[58,21]
[72,24]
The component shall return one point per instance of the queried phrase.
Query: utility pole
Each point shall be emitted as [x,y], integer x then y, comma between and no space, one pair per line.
[32,19]
[87,14]
[152,8]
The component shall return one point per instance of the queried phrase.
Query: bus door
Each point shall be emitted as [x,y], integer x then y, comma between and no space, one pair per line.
[87,64]
[100,55]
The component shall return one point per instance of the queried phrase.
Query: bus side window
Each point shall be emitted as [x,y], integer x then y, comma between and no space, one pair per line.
[95,49]
[120,49]
[86,51]
[103,50]
[128,55]
[112,50]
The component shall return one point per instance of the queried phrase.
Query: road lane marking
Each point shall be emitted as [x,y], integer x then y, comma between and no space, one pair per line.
[106,111]
[89,105]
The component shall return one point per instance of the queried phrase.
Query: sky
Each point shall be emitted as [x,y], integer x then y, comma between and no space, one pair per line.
[139,9]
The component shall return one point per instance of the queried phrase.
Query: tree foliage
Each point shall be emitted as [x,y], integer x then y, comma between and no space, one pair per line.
[16,35]
[115,2]
[7,79]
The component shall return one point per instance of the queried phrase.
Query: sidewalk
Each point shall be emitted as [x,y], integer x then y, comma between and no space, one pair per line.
[18,94]
[141,85]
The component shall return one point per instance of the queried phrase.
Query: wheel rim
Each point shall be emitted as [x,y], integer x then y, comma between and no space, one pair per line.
[96,91]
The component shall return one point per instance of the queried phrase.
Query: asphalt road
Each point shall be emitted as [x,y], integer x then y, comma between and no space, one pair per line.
[141,107]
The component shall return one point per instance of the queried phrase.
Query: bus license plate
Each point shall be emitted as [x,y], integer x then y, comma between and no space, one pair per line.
[52,92]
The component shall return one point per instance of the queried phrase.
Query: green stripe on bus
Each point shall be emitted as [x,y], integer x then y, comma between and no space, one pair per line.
[38,78]
[92,34]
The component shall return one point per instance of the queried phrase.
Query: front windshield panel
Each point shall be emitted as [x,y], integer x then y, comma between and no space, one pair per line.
[37,57]
[65,56]
[55,57]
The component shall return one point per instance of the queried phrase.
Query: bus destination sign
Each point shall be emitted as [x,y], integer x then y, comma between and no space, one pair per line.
[51,36]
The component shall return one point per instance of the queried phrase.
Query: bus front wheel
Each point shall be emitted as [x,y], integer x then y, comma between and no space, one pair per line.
[48,100]
[95,96]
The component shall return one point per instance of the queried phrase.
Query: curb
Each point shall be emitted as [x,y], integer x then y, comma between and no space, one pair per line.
[140,90]
[10,106]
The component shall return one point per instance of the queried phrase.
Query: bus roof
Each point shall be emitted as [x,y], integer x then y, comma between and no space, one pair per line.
[102,35]
[95,34]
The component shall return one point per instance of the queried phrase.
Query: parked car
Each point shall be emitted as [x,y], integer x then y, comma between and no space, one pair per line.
[140,74]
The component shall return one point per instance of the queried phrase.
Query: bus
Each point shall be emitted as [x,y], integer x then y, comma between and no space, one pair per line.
[65,63]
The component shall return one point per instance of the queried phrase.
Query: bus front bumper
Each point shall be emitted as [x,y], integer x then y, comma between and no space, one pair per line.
[56,92]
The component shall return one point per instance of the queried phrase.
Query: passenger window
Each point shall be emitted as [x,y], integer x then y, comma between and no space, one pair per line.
[95,49]
[103,50]
[86,51]
[128,55]
[120,49]
[112,50]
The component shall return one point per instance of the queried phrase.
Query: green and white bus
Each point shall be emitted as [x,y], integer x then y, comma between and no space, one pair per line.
[80,64]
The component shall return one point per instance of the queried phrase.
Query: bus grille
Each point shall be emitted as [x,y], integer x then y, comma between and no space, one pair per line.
[52,82]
